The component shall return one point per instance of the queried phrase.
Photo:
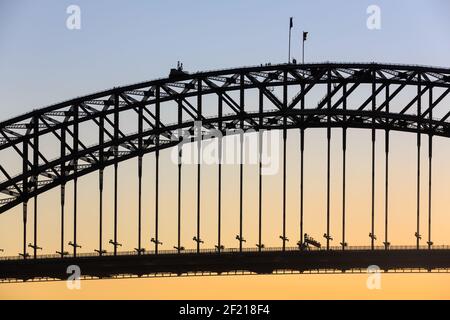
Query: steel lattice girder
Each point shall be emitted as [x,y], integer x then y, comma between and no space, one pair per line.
[63,120]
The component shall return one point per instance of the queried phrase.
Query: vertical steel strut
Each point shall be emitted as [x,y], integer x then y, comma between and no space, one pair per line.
[141,152]
[430,155]
[260,143]
[100,217]
[63,196]
[219,177]
[63,188]
[75,180]
[100,183]
[372,233]
[25,214]
[302,149]
[199,153]
[116,169]
[419,112]
[241,164]
[386,178]
[115,206]
[35,182]
[344,167]
[157,197]
[180,155]
[157,111]
[327,235]
[25,190]
[285,97]
[139,247]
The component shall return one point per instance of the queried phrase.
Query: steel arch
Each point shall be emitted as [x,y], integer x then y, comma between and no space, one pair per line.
[40,174]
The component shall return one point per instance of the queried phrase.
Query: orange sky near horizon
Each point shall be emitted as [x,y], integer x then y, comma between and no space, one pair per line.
[271,287]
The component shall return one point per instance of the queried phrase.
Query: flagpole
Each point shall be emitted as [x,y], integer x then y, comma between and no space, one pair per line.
[289,53]
[290,28]
[305,35]
[303,50]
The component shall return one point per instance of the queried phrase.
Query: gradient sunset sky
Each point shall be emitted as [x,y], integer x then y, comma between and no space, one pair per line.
[42,62]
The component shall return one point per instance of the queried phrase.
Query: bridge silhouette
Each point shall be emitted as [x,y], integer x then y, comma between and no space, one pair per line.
[150,132]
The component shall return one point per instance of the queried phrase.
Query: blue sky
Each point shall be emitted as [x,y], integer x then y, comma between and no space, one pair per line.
[121,42]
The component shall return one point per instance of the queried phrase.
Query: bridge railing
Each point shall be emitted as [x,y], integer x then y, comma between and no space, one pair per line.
[226,251]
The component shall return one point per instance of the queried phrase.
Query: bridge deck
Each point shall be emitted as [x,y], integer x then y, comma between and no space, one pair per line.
[208,261]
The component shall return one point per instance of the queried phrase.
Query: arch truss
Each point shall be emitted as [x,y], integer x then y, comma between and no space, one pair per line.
[106,128]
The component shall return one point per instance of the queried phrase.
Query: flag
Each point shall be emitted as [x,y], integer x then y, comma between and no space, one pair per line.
[291,23]
[305,35]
